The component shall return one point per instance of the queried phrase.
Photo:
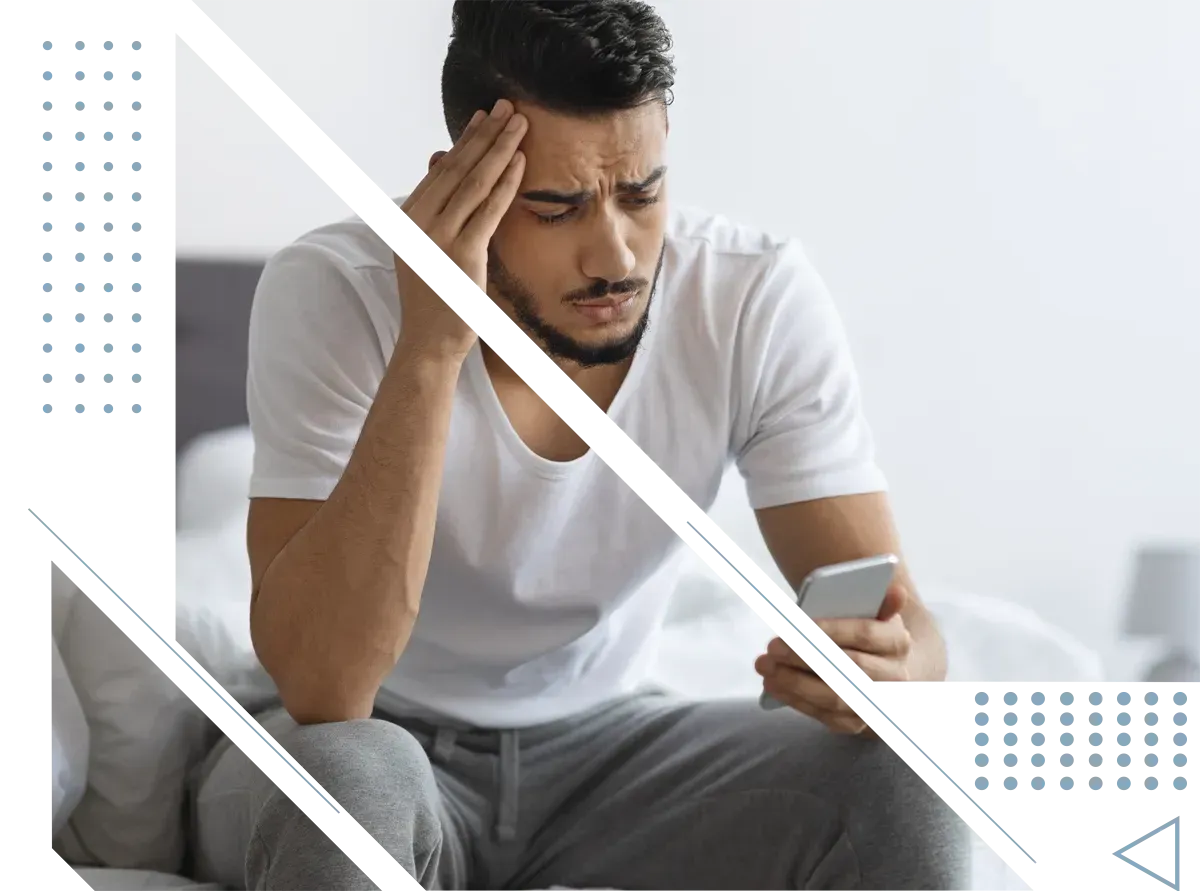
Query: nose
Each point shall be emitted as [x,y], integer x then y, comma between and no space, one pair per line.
[607,255]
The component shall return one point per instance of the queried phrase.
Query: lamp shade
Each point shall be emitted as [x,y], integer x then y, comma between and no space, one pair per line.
[1164,598]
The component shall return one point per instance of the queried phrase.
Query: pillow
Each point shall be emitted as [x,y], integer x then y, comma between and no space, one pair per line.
[144,735]
[148,730]
[212,607]
[69,742]
[213,478]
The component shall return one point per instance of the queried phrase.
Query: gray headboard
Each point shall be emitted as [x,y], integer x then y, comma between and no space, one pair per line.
[212,315]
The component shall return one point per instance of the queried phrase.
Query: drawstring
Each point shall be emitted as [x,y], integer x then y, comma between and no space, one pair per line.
[443,744]
[508,780]
[510,766]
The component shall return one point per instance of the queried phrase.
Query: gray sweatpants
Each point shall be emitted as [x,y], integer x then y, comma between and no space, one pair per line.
[644,792]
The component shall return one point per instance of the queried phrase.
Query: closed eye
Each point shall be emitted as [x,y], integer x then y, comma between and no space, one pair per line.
[637,203]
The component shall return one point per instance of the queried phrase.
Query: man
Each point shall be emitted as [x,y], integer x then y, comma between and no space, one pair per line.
[458,600]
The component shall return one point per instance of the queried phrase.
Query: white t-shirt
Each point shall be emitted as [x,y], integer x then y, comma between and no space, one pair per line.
[548,581]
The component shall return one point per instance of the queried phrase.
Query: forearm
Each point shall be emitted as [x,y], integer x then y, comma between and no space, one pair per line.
[334,610]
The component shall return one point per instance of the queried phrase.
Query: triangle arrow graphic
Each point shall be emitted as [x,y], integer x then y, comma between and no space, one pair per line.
[1126,854]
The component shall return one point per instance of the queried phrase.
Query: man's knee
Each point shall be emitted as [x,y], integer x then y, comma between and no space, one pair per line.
[905,835]
[375,772]
[375,769]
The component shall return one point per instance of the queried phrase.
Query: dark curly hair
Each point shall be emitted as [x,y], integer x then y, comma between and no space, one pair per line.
[579,57]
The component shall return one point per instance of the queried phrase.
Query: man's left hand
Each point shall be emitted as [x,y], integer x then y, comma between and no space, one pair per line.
[880,647]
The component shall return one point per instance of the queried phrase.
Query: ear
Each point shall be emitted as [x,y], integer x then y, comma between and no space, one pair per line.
[434,158]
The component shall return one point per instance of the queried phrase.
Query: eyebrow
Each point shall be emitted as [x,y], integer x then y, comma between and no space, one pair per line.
[575,199]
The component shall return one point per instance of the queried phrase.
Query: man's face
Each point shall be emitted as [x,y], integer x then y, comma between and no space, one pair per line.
[576,258]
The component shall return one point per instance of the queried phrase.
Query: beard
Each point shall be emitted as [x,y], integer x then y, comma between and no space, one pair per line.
[555,342]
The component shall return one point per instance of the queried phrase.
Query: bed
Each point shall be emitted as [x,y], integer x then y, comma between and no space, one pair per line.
[708,649]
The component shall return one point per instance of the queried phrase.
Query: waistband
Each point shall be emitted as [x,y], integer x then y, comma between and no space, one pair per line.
[447,735]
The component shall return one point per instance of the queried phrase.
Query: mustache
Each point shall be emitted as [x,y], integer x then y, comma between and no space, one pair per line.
[603,289]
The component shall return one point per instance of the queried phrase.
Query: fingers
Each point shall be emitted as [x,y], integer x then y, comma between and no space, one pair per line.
[461,166]
[482,224]
[804,686]
[479,182]
[889,639]
[825,707]
[445,159]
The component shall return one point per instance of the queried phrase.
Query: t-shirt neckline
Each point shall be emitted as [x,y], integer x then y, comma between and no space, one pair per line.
[545,467]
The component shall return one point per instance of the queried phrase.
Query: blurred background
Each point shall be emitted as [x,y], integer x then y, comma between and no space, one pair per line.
[1002,197]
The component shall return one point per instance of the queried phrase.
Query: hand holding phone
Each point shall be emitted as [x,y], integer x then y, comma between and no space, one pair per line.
[854,590]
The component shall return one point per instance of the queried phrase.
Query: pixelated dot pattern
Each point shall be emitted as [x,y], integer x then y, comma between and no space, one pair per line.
[1020,713]
[87,143]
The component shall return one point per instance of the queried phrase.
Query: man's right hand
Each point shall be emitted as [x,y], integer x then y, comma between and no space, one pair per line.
[459,204]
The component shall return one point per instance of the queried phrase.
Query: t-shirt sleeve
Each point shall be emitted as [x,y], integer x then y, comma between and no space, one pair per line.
[802,433]
[315,364]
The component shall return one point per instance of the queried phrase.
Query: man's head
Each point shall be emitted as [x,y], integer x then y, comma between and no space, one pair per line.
[576,258]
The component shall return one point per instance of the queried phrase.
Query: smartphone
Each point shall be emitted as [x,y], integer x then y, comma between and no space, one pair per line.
[851,590]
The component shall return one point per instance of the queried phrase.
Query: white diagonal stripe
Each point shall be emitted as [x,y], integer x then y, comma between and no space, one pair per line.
[609,442]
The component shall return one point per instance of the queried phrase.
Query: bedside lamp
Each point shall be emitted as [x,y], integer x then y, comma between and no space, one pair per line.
[1164,602]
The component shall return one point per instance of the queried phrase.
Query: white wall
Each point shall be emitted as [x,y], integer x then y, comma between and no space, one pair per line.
[1002,196]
